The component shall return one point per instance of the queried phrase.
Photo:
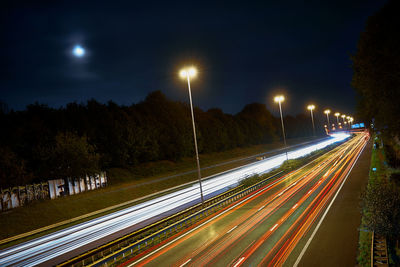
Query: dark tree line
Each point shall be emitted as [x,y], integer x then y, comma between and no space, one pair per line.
[376,80]
[42,143]
[376,66]
[376,76]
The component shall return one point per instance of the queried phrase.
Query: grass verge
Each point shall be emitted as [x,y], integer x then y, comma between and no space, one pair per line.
[377,171]
[125,185]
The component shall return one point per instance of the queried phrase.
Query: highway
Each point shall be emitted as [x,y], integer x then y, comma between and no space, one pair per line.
[267,228]
[48,249]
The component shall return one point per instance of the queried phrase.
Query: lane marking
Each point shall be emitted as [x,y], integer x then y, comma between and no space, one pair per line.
[237,263]
[287,188]
[309,192]
[220,214]
[295,206]
[272,229]
[213,218]
[186,262]
[326,212]
[261,208]
[232,229]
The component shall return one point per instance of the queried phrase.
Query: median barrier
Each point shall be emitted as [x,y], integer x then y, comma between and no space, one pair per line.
[142,239]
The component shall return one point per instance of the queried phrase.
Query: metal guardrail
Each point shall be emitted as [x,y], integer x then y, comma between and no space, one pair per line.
[379,253]
[142,239]
[138,241]
[178,221]
[157,237]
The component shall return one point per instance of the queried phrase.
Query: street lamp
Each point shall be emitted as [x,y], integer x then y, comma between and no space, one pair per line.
[337,114]
[327,111]
[279,99]
[186,73]
[343,116]
[311,108]
[344,122]
[348,122]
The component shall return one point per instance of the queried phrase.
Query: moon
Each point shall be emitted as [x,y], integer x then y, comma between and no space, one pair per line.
[78,51]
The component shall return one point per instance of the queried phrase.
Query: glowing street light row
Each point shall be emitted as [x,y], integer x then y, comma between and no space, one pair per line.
[337,114]
[191,72]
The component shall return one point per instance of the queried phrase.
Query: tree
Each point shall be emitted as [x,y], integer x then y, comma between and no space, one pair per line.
[12,171]
[376,66]
[77,139]
[257,123]
[72,156]
[381,204]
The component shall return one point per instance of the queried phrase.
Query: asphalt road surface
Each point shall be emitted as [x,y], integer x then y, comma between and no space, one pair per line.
[336,241]
[268,227]
[62,245]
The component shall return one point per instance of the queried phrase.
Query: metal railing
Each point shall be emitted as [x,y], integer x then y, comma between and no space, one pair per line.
[379,253]
[138,241]
[132,244]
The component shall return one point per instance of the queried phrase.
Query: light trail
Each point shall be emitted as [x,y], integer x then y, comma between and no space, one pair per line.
[313,209]
[246,222]
[313,216]
[51,246]
[302,195]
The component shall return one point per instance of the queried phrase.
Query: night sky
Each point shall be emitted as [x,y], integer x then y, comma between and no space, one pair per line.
[245,52]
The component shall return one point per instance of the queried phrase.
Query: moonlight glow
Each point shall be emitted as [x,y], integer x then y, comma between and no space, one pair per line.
[78,51]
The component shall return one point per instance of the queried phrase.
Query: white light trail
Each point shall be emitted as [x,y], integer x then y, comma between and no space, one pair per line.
[53,245]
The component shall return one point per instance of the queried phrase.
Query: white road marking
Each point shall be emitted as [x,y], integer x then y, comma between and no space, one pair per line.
[237,263]
[261,208]
[186,262]
[295,206]
[209,220]
[232,229]
[326,212]
[272,229]
[227,210]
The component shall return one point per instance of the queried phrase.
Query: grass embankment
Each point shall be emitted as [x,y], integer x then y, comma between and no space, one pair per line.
[378,170]
[125,185]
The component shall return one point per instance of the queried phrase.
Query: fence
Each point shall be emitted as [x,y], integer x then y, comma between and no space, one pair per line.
[19,196]
[379,253]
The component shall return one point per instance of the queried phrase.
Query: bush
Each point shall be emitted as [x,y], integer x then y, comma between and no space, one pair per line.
[250,180]
[381,203]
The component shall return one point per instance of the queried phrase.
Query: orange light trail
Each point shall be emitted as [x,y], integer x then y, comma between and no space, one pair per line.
[322,180]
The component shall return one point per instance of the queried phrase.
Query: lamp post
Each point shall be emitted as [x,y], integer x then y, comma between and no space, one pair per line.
[279,99]
[327,111]
[343,116]
[186,73]
[348,122]
[337,114]
[344,122]
[311,108]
